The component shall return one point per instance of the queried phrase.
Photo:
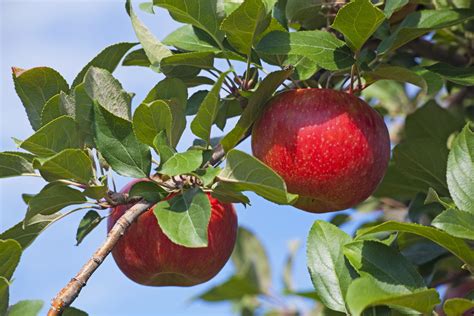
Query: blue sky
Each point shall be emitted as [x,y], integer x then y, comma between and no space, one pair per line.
[65,35]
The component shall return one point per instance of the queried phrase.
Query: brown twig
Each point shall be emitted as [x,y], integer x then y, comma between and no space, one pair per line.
[70,292]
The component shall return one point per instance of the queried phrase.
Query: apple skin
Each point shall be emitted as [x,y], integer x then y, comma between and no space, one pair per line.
[330,147]
[147,256]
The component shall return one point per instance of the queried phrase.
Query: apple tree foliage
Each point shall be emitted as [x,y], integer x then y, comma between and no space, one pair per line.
[410,59]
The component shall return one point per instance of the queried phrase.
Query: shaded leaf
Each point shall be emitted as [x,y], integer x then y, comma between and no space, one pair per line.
[457,306]
[396,73]
[251,261]
[87,224]
[162,147]
[148,190]
[59,105]
[232,289]
[462,76]
[421,22]
[207,112]
[10,253]
[392,6]
[189,38]
[4,295]
[13,165]
[137,57]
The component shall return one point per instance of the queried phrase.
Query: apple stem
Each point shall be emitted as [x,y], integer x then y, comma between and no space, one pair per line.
[70,292]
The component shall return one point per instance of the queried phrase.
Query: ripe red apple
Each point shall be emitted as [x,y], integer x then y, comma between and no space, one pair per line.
[147,256]
[330,147]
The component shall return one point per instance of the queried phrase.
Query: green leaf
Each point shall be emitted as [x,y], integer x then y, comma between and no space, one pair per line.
[51,199]
[357,21]
[459,75]
[150,191]
[151,118]
[59,105]
[421,22]
[184,218]
[136,58]
[4,295]
[456,246]
[226,194]
[107,59]
[392,6]
[461,170]
[246,173]
[87,224]
[162,147]
[365,292]
[26,235]
[232,289]
[207,112]
[306,13]
[189,38]
[457,306]
[390,96]
[326,264]
[208,175]
[13,165]
[244,25]
[432,121]
[254,107]
[102,87]
[172,65]
[251,261]
[35,87]
[154,49]
[195,101]
[385,264]
[10,253]
[172,89]
[118,145]
[205,14]
[53,138]
[434,82]
[423,163]
[321,47]
[96,191]
[396,73]
[73,164]
[84,114]
[456,223]
[26,308]
[197,81]
[181,163]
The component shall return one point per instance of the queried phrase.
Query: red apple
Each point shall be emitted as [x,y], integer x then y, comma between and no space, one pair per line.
[147,256]
[330,147]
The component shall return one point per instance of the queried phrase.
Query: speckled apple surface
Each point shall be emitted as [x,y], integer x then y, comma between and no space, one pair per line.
[330,147]
[147,256]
